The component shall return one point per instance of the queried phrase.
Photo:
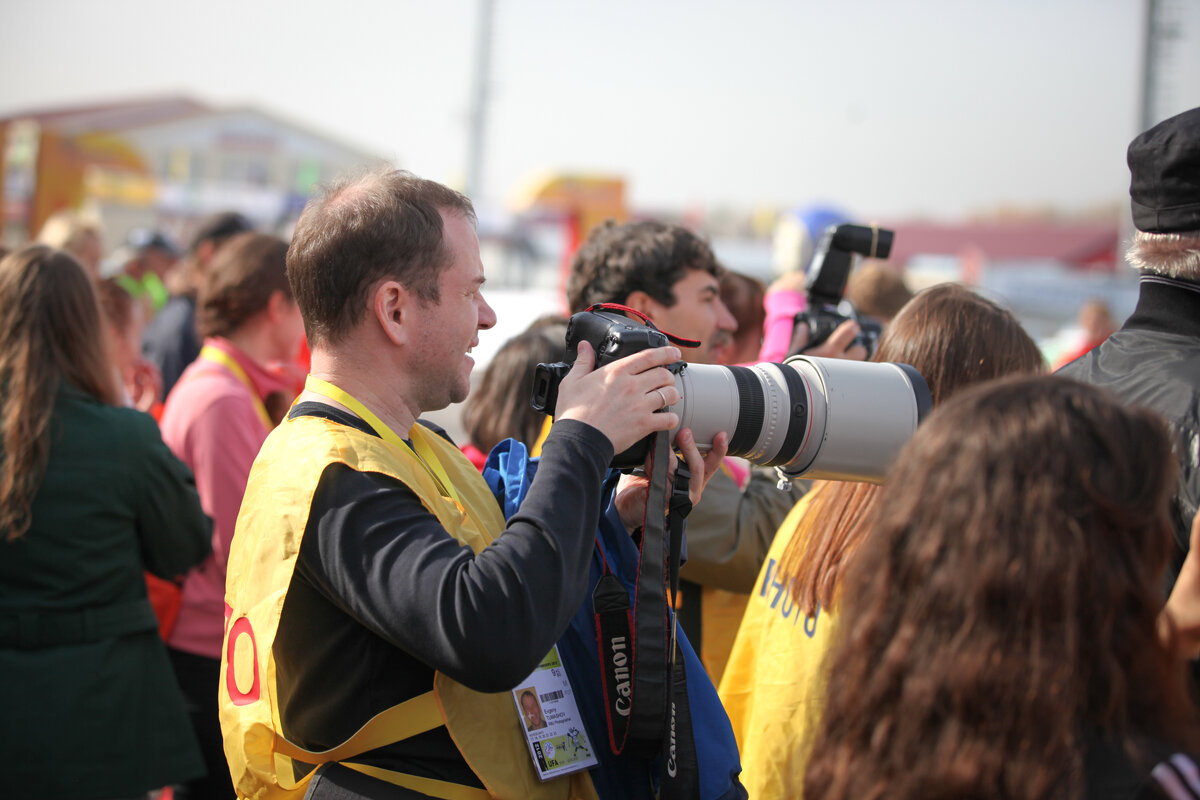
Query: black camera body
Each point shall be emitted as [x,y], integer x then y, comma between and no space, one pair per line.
[612,336]
[826,282]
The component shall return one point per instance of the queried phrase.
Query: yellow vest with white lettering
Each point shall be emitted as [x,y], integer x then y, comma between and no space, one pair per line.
[486,727]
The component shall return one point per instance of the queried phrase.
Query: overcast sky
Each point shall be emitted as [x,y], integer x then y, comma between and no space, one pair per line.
[886,108]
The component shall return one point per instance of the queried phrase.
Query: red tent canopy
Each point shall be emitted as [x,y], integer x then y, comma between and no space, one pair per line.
[1093,246]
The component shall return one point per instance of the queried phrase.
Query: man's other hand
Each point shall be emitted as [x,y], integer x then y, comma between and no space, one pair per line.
[838,345]
[632,489]
[1179,621]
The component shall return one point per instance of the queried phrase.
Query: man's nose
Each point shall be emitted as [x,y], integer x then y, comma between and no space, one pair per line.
[487,316]
[725,319]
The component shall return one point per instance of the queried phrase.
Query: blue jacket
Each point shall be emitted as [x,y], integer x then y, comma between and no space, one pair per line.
[509,472]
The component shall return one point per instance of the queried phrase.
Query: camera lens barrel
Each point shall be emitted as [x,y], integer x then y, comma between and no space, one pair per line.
[826,418]
[750,401]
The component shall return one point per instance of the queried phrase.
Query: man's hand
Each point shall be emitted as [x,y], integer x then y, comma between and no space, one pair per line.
[144,384]
[836,346]
[621,399]
[1179,622]
[631,493]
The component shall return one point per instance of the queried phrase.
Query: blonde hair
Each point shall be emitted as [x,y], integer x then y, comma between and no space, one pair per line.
[67,230]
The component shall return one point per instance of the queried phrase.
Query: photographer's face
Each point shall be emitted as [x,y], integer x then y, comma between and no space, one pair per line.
[698,313]
[448,329]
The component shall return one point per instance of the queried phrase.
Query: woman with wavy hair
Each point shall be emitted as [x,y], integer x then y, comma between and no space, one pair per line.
[773,684]
[1003,635]
[89,497]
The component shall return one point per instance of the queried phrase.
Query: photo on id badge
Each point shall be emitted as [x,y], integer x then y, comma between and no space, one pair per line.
[531,709]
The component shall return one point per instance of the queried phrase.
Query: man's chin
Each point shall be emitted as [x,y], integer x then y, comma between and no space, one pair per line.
[459,393]
[455,395]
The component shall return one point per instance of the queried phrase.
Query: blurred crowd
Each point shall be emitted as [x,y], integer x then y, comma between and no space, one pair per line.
[1011,610]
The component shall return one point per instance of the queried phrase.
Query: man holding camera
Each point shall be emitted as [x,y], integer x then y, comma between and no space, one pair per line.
[375,616]
[671,275]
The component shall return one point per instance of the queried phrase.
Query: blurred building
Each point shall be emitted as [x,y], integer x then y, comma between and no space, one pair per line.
[162,162]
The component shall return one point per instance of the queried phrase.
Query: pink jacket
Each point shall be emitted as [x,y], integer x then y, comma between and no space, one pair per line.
[211,424]
[781,306]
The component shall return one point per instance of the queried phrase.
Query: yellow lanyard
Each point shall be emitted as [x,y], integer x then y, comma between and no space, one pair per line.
[420,445]
[218,356]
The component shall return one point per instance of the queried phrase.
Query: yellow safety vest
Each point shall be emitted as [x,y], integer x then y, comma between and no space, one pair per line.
[486,727]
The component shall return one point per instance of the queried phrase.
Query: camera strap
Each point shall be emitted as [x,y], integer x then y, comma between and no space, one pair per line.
[676,340]
[651,619]
[681,769]
[642,672]
[633,642]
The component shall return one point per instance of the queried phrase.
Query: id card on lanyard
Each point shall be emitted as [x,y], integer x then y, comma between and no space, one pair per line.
[558,743]
[419,447]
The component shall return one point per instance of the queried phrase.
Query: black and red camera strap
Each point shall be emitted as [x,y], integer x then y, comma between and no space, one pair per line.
[676,340]
[642,671]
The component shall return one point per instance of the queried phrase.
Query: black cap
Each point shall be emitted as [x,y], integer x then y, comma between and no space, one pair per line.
[1164,167]
[141,239]
[220,227]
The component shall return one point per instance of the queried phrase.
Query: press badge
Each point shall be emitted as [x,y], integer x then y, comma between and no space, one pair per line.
[553,727]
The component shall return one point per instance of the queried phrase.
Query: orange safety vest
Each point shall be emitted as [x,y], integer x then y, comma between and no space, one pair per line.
[486,727]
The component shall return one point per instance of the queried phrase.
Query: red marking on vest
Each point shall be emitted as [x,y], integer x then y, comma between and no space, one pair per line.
[240,698]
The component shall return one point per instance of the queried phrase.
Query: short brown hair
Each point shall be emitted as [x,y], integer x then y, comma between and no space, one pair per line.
[243,276]
[877,289]
[116,303]
[385,224]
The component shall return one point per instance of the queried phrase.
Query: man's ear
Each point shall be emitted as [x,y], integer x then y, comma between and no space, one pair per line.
[392,305]
[640,301]
[278,305]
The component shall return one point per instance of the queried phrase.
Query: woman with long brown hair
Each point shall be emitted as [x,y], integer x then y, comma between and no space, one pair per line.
[1002,634]
[773,683]
[89,497]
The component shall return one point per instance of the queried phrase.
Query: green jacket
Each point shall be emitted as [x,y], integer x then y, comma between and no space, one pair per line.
[90,704]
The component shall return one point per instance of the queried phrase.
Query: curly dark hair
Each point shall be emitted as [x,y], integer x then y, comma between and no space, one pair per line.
[619,259]
[1004,605]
